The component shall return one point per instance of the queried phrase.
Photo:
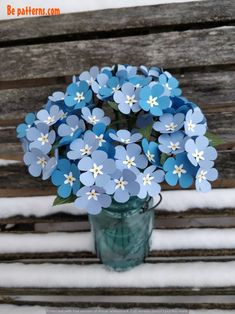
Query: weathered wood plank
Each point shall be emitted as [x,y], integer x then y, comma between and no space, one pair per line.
[212,90]
[158,16]
[15,176]
[170,50]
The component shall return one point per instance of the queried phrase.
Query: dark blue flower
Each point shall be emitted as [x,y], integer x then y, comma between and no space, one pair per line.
[179,169]
[153,100]
[170,83]
[169,123]
[79,95]
[66,177]
[93,199]
[113,84]
[153,71]
[24,127]
[151,151]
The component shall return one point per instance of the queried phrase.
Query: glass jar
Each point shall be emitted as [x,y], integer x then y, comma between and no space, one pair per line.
[122,231]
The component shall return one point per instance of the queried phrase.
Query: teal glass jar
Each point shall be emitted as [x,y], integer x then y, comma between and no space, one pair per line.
[122,231]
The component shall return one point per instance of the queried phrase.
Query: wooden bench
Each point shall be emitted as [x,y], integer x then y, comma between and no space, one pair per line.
[195,41]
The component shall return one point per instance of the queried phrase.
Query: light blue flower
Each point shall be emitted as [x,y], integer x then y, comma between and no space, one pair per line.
[151,151]
[170,83]
[195,123]
[39,163]
[41,138]
[152,99]
[97,168]
[153,71]
[127,99]
[79,95]
[93,199]
[57,96]
[50,117]
[125,72]
[66,177]
[199,152]
[71,130]
[130,157]
[95,116]
[172,143]
[125,137]
[24,127]
[203,177]
[83,147]
[149,182]
[123,185]
[169,123]
[179,169]
[89,76]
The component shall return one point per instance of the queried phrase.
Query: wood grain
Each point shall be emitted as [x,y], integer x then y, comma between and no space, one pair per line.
[170,50]
[147,17]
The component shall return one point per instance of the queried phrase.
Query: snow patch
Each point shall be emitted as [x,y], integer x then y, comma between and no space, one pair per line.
[6,162]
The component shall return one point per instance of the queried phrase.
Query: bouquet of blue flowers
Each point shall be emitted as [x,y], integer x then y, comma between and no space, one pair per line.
[115,133]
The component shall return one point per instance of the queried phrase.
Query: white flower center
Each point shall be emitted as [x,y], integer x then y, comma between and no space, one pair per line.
[150,156]
[96,170]
[101,139]
[73,130]
[130,100]
[152,101]
[86,150]
[202,175]
[49,120]
[138,85]
[147,179]
[179,170]
[90,81]
[79,97]
[198,155]
[93,120]
[93,195]
[168,87]
[43,139]
[115,89]
[129,161]
[42,161]
[120,184]
[191,126]
[171,126]
[63,115]
[126,141]
[69,179]
[174,146]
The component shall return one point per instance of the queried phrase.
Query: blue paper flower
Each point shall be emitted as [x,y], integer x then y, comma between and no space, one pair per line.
[140,81]
[99,83]
[113,84]
[93,199]
[125,72]
[126,137]
[57,96]
[83,147]
[104,139]
[50,117]
[41,138]
[152,99]
[199,151]
[39,163]
[123,185]
[130,157]
[127,99]
[24,127]
[170,83]
[153,71]
[89,76]
[97,168]
[169,123]
[66,177]
[144,120]
[195,123]
[151,151]
[96,116]
[172,143]
[178,169]
[71,130]
[149,182]
[203,177]
[79,95]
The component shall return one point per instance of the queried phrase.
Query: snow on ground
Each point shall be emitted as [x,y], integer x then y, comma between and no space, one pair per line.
[172,201]
[83,241]
[5,162]
[78,6]
[14,309]
[191,274]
